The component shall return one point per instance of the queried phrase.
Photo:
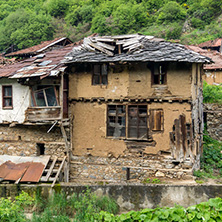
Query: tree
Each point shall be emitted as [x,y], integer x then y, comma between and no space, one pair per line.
[24,29]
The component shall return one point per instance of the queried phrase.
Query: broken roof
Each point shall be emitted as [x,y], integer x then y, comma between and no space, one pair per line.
[41,47]
[211,43]
[46,64]
[214,55]
[132,48]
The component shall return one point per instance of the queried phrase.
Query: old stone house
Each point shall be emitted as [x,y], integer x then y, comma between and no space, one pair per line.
[136,105]
[118,108]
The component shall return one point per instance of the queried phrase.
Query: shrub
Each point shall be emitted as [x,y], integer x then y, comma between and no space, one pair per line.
[212,93]
[171,12]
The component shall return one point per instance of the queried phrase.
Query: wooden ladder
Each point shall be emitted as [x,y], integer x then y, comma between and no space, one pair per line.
[53,170]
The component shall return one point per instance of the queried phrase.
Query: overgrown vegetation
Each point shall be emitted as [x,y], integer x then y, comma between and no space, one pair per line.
[211,160]
[13,210]
[57,208]
[25,23]
[212,93]
[206,211]
[88,207]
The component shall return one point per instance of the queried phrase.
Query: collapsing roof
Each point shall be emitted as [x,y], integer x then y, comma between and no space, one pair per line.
[42,65]
[44,46]
[214,55]
[132,48]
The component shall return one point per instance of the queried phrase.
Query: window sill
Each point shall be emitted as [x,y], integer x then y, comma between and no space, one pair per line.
[129,139]
[45,107]
[159,85]
[7,108]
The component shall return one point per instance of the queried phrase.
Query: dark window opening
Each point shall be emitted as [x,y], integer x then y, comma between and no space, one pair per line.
[137,122]
[100,74]
[7,97]
[46,96]
[159,74]
[40,149]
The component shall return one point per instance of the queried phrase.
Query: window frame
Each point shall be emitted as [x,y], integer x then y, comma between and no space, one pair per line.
[7,97]
[153,74]
[116,115]
[127,125]
[101,75]
[138,118]
[45,97]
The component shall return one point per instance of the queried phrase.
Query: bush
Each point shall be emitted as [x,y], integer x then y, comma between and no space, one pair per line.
[171,12]
[212,93]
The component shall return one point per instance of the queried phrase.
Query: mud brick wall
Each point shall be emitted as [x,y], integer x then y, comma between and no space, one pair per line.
[133,168]
[213,118]
[23,140]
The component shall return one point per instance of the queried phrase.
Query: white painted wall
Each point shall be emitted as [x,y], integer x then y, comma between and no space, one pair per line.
[21,100]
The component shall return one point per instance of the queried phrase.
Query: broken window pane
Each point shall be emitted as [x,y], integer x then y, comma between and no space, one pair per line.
[142,133]
[51,97]
[116,121]
[45,97]
[40,99]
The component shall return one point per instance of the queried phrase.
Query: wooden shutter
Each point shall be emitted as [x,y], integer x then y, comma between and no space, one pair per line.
[156,119]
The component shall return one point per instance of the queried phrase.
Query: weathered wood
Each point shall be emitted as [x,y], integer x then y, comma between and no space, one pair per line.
[106,46]
[59,170]
[50,171]
[43,113]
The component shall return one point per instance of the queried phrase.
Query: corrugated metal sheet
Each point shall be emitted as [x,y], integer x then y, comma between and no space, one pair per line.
[30,68]
[25,169]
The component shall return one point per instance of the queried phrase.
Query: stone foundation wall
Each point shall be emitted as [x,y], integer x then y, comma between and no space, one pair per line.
[129,197]
[214,120]
[130,168]
[22,140]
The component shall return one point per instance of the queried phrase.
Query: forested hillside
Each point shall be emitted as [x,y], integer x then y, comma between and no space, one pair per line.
[24,23]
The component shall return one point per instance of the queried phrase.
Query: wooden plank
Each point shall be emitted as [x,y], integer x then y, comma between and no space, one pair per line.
[184,134]
[130,42]
[59,170]
[105,39]
[106,46]
[65,138]
[96,46]
[177,138]
[50,170]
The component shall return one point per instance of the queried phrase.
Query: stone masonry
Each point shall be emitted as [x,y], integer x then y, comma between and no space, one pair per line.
[23,140]
[214,120]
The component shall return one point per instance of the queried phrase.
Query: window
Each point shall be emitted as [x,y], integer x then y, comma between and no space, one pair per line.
[156,119]
[159,74]
[137,122]
[45,97]
[100,72]
[7,97]
[116,124]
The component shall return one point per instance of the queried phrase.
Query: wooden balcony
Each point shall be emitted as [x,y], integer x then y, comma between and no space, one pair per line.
[39,114]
